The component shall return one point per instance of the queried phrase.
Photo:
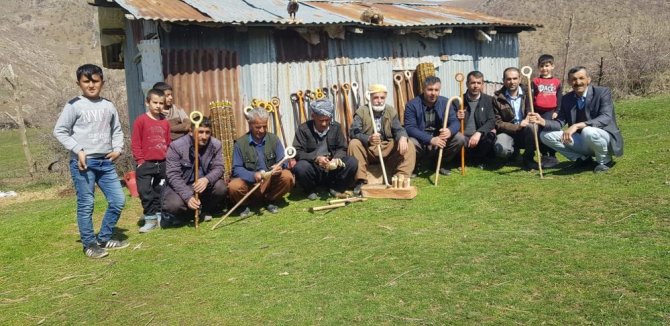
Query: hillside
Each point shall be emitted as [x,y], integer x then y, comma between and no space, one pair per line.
[630,36]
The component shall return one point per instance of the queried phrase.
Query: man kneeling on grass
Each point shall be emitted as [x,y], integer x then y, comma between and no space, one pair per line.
[179,200]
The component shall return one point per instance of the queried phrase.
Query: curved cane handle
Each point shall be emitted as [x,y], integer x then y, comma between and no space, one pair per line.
[275,101]
[346,87]
[294,97]
[196,118]
[459,77]
[527,71]
[335,89]
[247,110]
[408,75]
[397,78]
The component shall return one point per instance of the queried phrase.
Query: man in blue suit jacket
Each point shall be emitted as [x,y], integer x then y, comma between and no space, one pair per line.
[592,129]
[424,116]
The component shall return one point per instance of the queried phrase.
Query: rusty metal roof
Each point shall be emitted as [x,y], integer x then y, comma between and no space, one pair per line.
[408,13]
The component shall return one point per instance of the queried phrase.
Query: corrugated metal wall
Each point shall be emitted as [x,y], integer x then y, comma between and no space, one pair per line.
[366,58]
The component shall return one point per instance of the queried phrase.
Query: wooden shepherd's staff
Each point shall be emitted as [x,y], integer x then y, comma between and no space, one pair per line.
[527,71]
[444,125]
[459,79]
[196,119]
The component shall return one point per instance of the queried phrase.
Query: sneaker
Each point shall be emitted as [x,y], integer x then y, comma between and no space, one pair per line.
[582,163]
[148,226]
[206,217]
[333,193]
[246,212]
[601,168]
[94,251]
[312,196]
[445,171]
[357,188]
[274,209]
[114,244]
[549,161]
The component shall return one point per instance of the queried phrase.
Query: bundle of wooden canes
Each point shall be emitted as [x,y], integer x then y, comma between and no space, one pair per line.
[424,70]
[223,129]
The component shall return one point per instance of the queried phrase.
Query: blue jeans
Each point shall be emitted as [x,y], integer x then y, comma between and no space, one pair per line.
[590,142]
[102,172]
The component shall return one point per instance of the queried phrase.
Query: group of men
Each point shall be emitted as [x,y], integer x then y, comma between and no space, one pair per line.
[165,148]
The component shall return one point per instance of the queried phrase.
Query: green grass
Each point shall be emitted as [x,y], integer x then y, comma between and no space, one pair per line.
[494,247]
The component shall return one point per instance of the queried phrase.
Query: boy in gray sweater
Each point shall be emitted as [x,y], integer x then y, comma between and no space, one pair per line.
[89,128]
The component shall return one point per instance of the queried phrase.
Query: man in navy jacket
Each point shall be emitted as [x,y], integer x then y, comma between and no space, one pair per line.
[424,116]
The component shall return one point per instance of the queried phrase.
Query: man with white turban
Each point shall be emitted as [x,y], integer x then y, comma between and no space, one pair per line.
[321,156]
[399,157]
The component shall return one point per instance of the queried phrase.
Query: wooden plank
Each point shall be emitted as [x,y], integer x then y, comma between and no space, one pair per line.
[381,191]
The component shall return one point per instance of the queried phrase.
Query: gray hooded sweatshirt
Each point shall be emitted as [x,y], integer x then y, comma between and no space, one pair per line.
[89,125]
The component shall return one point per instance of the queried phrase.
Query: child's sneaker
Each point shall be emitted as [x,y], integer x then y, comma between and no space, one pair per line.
[94,251]
[114,244]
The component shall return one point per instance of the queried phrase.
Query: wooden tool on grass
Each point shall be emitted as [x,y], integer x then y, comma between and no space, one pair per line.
[289,153]
[527,72]
[196,119]
[444,125]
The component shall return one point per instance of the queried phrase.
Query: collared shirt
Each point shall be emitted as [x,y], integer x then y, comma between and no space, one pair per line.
[581,100]
[516,104]
[321,134]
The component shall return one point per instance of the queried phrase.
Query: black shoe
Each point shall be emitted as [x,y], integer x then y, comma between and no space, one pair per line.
[94,251]
[601,168]
[582,163]
[445,171]
[357,188]
[529,164]
[549,161]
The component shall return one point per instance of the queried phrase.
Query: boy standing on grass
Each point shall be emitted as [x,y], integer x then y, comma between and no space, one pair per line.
[89,128]
[149,143]
[547,95]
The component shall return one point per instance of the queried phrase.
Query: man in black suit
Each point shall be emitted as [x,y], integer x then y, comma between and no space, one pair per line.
[592,129]
[479,120]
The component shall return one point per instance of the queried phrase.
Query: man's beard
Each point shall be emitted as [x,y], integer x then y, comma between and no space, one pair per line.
[378,108]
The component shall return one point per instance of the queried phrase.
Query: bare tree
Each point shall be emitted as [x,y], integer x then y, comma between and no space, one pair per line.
[13,80]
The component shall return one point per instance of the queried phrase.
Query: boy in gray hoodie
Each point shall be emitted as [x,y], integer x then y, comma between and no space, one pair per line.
[89,128]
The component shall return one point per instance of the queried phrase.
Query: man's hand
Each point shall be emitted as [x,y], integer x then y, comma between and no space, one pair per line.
[403,143]
[536,118]
[460,114]
[201,185]
[322,161]
[81,161]
[524,122]
[113,156]
[438,142]
[258,176]
[276,169]
[474,140]
[193,203]
[375,139]
[445,133]
[567,134]
[291,163]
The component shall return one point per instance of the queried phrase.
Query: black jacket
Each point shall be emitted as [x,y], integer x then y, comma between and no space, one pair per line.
[307,142]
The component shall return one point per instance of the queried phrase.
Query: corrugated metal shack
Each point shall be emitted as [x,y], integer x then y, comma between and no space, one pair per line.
[239,50]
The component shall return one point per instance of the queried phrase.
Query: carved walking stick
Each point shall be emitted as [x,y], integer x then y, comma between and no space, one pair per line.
[289,153]
[379,146]
[347,108]
[397,78]
[196,119]
[527,71]
[444,125]
[459,79]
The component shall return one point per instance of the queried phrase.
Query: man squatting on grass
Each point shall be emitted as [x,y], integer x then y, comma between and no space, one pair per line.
[592,130]
[89,128]
[254,153]
[321,153]
[179,202]
[149,143]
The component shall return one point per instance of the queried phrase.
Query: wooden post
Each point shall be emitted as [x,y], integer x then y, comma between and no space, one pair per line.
[567,48]
[13,81]
[600,71]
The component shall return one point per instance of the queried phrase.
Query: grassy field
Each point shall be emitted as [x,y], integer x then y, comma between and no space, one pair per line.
[493,247]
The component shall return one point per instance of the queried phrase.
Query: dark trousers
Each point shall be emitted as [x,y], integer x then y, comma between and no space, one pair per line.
[544,149]
[213,201]
[426,155]
[150,177]
[483,151]
[309,175]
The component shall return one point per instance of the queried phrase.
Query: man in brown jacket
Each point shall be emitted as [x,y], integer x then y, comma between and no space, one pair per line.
[397,152]
[514,132]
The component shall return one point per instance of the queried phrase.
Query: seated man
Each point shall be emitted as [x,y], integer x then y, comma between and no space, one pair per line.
[592,129]
[479,120]
[424,116]
[322,153]
[510,104]
[396,152]
[178,198]
[255,153]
